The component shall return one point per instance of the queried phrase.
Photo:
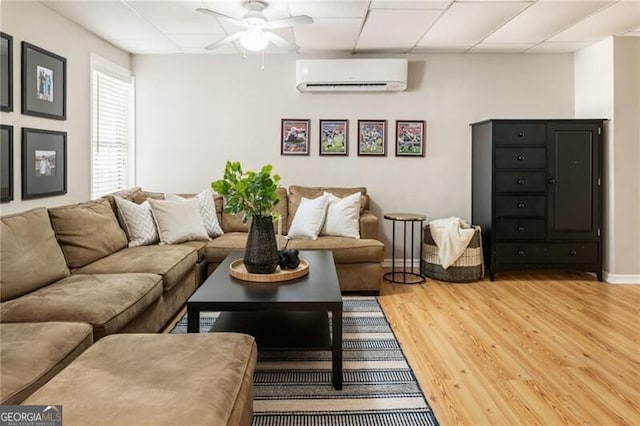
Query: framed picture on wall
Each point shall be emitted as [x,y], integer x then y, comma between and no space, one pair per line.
[44,83]
[6,72]
[44,163]
[294,138]
[6,163]
[372,137]
[410,138]
[334,137]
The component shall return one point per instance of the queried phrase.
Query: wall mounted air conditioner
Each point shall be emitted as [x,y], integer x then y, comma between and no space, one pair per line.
[351,75]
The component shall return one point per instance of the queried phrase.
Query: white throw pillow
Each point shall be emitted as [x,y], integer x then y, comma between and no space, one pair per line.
[138,222]
[207,211]
[343,216]
[178,220]
[309,218]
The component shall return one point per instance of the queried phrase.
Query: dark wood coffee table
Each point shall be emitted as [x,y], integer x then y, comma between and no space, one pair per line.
[289,315]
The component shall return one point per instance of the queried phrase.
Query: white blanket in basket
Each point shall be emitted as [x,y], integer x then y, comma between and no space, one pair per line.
[452,236]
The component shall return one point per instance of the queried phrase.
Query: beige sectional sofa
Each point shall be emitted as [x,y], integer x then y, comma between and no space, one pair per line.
[69,266]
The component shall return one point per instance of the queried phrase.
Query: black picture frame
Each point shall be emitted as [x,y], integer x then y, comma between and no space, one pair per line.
[372,137]
[6,163]
[6,72]
[410,138]
[294,136]
[40,179]
[334,137]
[44,83]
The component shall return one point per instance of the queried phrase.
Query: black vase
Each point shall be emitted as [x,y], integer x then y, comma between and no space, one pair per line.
[261,252]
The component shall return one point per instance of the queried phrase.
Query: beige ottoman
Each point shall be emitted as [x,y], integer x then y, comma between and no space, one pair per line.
[159,379]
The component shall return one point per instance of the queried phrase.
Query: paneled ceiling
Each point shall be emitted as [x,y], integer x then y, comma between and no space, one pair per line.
[362,26]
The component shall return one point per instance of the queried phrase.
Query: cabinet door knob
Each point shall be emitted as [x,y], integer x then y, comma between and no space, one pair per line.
[520,205]
[520,253]
[520,181]
[573,253]
[551,181]
[520,134]
[520,157]
[520,228]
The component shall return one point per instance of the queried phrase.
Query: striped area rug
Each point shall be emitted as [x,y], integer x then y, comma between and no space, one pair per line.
[294,388]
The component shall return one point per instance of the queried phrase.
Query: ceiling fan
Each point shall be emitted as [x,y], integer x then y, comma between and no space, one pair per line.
[258,28]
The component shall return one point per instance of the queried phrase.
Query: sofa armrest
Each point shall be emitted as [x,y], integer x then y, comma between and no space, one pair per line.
[368,225]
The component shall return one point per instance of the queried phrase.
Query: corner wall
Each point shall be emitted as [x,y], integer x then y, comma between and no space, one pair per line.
[607,86]
[193,113]
[35,23]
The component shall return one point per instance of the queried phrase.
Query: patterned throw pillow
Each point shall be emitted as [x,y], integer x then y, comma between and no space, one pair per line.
[138,222]
[207,211]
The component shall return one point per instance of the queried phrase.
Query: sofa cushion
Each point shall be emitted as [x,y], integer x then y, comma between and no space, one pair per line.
[178,220]
[26,239]
[172,262]
[220,247]
[137,221]
[107,302]
[343,216]
[207,211]
[32,353]
[198,246]
[345,250]
[309,218]
[87,231]
[297,192]
[130,379]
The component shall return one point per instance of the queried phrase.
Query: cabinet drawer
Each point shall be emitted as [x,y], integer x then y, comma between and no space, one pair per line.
[520,158]
[548,253]
[520,134]
[520,229]
[520,205]
[520,181]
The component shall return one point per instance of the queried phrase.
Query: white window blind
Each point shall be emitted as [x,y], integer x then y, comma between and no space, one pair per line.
[111,128]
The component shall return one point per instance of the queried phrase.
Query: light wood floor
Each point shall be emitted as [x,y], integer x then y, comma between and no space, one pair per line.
[530,348]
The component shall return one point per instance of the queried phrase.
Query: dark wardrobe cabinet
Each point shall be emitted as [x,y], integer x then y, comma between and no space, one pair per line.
[537,193]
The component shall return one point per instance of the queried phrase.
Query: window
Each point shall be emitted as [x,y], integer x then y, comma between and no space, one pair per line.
[112,119]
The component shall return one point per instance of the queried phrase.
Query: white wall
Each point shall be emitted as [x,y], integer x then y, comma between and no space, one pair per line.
[196,112]
[626,112]
[35,23]
[607,86]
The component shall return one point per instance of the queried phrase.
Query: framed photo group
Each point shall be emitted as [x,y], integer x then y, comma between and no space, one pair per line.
[372,137]
[43,94]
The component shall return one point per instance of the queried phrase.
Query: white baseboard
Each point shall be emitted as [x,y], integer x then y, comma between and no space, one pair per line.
[621,278]
[386,263]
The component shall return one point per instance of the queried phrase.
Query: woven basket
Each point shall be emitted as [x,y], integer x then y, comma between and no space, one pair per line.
[469,267]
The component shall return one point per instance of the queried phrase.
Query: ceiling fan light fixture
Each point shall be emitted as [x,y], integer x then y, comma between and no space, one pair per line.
[254,40]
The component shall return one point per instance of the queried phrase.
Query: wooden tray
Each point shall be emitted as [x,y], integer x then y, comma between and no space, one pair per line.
[239,271]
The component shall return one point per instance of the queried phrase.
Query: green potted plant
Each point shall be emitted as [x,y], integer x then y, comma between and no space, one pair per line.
[254,195]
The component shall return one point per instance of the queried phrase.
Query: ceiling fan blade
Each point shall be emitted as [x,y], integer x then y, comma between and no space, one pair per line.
[219,15]
[289,22]
[231,38]
[280,42]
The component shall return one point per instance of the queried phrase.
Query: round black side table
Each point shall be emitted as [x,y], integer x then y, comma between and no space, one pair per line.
[405,218]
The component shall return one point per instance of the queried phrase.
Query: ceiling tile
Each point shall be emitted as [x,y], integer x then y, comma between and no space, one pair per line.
[107,19]
[328,34]
[157,46]
[176,17]
[633,33]
[194,40]
[615,19]
[397,29]
[319,9]
[465,24]
[501,47]
[400,4]
[559,47]
[542,20]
